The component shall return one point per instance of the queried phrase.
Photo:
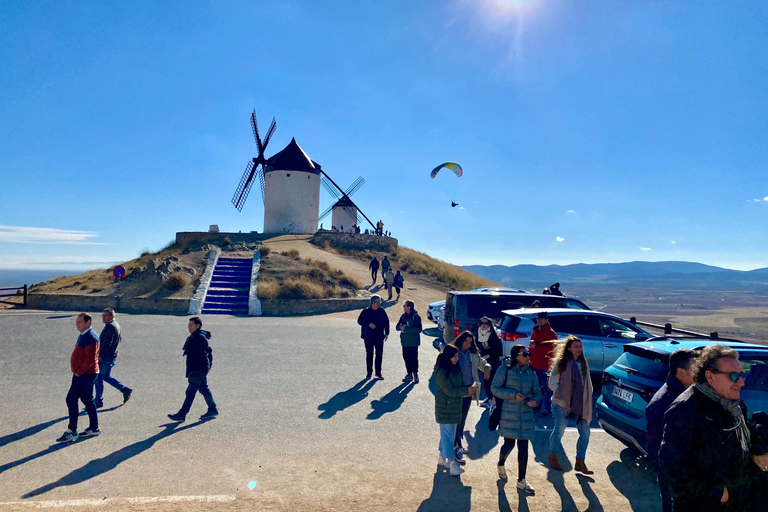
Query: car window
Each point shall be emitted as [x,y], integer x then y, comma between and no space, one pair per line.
[649,367]
[575,304]
[757,373]
[619,331]
[580,325]
[492,306]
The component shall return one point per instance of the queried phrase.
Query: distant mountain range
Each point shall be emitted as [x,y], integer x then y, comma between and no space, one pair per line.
[671,273]
[13,277]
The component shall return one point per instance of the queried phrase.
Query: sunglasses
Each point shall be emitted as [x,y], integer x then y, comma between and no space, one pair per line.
[734,376]
[526,354]
[484,323]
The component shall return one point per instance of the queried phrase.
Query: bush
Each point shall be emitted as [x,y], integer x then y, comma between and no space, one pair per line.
[293,253]
[145,252]
[264,250]
[226,242]
[176,281]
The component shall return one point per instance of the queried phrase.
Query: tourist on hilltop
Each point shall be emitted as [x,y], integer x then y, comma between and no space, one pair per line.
[449,397]
[679,379]
[199,361]
[470,363]
[399,281]
[517,385]
[84,363]
[374,329]
[555,290]
[379,228]
[491,350]
[409,326]
[389,281]
[705,451]
[109,339]
[542,348]
[374,267]
[571,385]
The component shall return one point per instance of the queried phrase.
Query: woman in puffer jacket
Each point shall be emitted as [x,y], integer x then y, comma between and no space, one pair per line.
[451,390]
[517,384]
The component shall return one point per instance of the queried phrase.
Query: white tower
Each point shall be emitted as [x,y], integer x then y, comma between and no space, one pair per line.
[344,217]
[291,192]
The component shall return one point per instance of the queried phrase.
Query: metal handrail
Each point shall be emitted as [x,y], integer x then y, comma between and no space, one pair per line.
[16,290]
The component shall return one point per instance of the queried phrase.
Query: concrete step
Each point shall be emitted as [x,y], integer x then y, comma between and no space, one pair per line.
[229,301]
[227,293]
[207,311]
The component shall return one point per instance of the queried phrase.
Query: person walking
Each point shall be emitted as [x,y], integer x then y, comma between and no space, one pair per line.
[679,379]
[199,361]
[542,348]
[374,267]
[450,393]
[491,349]
[705,451]
[571,385]
[399,282]
[109,339]
[470,363]
[409,326]
[389,281]
[374,329]
[385,265]
[84,363]
[516,383]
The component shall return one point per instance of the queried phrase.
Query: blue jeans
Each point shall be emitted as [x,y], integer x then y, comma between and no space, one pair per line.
[197,384]
[447,433]
[546,402]
[105,371]
[555,446]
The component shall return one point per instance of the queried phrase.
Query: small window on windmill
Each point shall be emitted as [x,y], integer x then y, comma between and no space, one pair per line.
[288,175]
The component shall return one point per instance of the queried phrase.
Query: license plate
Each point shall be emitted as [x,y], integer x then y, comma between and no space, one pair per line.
[625,395]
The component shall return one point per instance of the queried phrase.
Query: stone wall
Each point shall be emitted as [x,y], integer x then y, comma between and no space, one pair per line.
[355,241]
[56,302]
[294,307]
[185,237]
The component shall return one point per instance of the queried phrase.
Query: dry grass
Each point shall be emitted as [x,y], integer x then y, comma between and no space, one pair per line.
[176,281]
[264,250]
[293,253]
[287,276]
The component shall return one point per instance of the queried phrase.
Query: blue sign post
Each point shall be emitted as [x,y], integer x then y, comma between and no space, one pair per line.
[119,273]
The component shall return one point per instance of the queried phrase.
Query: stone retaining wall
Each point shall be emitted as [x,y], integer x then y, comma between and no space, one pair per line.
[98,303]
[185,237]
[294,307]
[355,241]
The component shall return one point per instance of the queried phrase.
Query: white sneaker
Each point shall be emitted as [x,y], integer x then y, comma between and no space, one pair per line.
[525,487]
[502,472]
[462,450]
[442,461]
[455,469]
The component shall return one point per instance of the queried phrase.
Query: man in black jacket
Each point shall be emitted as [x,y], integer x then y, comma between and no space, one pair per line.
[374,329]
[109,339]
[705,451]
[679,379]
[199,360]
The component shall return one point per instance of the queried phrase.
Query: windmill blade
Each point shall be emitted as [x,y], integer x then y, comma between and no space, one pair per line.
[329,187]
[255,128]
[325,213]
[356,186]
[354,183]
[268,136]
[242,190]
[359,219]
[261,182]
[351,213]
[360,212]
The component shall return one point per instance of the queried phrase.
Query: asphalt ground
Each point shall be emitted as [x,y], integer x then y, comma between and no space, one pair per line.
[300,428]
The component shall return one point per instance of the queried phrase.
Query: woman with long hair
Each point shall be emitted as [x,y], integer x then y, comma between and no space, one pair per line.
[470,363]
[448,399]
[491,349]
[571,386]
[517,384]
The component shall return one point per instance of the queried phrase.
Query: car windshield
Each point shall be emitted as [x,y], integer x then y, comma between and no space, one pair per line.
[756,368]
[610,328]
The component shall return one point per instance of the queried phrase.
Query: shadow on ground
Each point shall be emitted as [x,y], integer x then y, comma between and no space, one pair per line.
[344,399]
[483,440]
[636,480]
[448,493]
[391,401]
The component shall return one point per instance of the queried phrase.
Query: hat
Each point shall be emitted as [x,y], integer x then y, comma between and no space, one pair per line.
[542,314]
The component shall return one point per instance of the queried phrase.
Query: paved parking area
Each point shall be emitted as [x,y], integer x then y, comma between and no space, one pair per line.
[299,428]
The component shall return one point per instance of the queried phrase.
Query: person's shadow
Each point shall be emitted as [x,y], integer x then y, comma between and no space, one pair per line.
[100,466]
[594,502]
[448,494]
[390,402]
[566,500]
[635,479]
[344,399]
[484,439]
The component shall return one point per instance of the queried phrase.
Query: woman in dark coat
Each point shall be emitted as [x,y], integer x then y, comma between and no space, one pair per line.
[491,349]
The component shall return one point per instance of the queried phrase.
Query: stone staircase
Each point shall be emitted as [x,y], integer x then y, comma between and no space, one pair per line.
[230,285]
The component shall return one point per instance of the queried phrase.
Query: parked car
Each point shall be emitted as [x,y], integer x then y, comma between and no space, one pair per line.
[631,381]
[497,289]
[464,309]
[603,335]
[440,317]
[433,309]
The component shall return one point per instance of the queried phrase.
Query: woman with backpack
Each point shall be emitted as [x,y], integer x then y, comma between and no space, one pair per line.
[491,349]
[517,385]
[470,363]
[451,390]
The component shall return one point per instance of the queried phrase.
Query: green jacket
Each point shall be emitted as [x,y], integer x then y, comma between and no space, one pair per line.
[412,323]
[450,391]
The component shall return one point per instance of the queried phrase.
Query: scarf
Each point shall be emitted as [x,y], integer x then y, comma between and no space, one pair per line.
[577,391]
[734,409]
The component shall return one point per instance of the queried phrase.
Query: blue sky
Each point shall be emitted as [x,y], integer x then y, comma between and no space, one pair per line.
[590,131]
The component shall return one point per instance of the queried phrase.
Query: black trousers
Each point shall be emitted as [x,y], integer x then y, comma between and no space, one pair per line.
[82,389]
[465,403]
[370,346]
[374,273]
[522,455]
[411,358]
[487,382]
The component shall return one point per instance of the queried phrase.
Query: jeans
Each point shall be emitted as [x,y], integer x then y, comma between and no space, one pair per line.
[555,446]
[447,433]
[82,389]
[465,403]
[105,370]
[522,455]
[546,401]
[197,384]
[369,348]
[411,358]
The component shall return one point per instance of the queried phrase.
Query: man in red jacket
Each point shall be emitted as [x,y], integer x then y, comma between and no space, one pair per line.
[542,348]
[84,363]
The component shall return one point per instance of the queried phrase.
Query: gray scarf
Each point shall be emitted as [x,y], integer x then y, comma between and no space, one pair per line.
[734,409]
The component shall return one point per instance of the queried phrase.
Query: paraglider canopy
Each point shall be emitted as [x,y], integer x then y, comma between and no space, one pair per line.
[452,166]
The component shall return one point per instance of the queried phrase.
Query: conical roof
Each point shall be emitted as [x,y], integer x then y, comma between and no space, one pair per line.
[344,202]
[292,158]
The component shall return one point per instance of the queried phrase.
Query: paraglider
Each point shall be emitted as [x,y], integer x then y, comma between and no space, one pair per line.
[454,204]
[453,166]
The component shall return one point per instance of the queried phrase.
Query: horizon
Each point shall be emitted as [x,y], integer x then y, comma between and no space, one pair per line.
[588,133]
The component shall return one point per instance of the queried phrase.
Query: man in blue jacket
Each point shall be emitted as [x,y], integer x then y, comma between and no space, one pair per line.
[199,360]
[374,329]
[109,339]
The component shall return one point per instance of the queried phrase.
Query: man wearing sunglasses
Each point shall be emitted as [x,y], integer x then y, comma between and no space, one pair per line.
[705,452]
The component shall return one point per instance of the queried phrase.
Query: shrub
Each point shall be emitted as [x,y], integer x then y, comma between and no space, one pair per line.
[267,288]
[226,242]
[293,253]
[145,252]
[264,250]
[84,287]
[176,281]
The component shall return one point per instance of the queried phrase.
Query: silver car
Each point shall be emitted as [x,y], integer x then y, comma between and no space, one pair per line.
[602,335]
[434,309]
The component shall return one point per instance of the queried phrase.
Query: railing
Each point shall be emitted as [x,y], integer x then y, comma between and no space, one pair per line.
[668,329]
[15,293]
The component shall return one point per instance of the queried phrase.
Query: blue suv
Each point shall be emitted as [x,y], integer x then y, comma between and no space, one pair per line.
[630,383]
